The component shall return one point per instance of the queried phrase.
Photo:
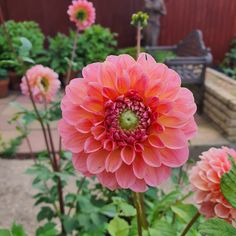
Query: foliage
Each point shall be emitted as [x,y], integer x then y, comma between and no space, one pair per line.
[95,44]
[3,74]
[161,56]
[132,51]
[229,63]
[228,184]
[27,39]
[16,230]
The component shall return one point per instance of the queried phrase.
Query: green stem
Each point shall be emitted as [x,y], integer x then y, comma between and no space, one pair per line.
[138,39]
[190,224]
[141,218]
[69,70]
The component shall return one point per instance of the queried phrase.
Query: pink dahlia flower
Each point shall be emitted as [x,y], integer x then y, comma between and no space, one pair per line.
[44,83]
[82,13]
[205,179]
[128,122]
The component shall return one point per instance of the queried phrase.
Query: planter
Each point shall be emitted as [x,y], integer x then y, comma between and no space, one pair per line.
[4,87]
[220,102]
[15,80]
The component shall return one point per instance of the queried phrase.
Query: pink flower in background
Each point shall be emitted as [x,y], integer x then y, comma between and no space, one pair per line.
[82,13]
[205,179]
[44,83]
[128,122]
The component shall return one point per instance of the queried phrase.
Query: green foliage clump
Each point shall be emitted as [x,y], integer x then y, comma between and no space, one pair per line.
[3,74]
[229,63]
[95,44]
[25,34]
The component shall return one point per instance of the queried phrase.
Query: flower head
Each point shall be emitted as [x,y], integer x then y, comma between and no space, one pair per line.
[82,13]
[127,122]
[205,178]
[140,19]
[43,81]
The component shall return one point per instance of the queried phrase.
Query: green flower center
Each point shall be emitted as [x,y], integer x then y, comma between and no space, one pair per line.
[128,120]
[81,15]
[44,82]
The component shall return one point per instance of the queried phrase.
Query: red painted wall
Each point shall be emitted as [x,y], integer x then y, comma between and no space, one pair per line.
[216,18]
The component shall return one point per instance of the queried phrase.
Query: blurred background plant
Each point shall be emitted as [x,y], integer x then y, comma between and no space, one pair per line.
[229,63]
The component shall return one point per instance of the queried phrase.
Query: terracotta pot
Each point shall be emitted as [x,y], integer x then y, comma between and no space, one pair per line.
[15,80]
[4,87]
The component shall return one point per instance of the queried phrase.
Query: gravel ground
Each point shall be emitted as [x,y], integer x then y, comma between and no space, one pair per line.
[16,195]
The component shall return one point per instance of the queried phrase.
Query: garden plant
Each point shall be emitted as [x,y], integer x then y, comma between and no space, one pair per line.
[125,126]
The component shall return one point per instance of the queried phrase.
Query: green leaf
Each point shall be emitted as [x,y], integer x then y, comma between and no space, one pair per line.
[217,227]
[48,229]
[162,228]
[5,232]
[26,46]
[108,210]
[45,213]
[184,211]
[69,224]
[17,230]
[118,227]
[126,209]
[228,184]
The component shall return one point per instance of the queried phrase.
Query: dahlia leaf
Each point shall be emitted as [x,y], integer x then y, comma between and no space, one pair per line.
[184,211]
[228,184]
[217,227]
[162,228]
[118,227]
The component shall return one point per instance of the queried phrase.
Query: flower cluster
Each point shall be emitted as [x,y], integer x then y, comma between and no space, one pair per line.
[205,179]
[140,18]
[127,122]
[82,13]
[43,82]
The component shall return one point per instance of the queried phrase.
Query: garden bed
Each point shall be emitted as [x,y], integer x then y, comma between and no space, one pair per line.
[220,102]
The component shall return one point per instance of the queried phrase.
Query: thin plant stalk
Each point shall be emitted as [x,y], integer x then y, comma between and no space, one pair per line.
[138,39]
[190,224]
[69,70]
[141,218]
[56,168]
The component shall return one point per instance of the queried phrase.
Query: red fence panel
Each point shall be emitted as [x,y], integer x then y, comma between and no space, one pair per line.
[216,18]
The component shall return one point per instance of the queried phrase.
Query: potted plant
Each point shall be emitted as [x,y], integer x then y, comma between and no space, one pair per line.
[4,81]
[28,31]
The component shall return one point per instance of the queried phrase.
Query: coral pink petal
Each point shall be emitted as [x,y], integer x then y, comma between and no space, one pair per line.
[221,211]
[139,167]
[174,158]
[96,161]
[92,145]
[139,186]
[84,126]
[128,154]
[80,161]
[109,93]
[173,138]
[155,141]
[151,156]
[113,161]
[92,105]
[99,132]
[125,176]
[122,84]
[108,180]
[155,176]
[92,72]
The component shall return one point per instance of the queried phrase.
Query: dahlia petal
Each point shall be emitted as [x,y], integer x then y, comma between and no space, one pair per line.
[139,186]
[190,129]
[76,91]
[139,167]
[96,161]
[151,156]
[125,176]
[109,145]
[174,158]
[128,154]
[113,161]
[173,138]
[92,105]
[92,72]
[108,180]
[207,209]
[108,75]
[80,161]
[109,93]
[95,91]
[99,132]
[221,211]
[92,145]
[146,61]
[212,176]
[156,175]
[122,84]
[154,141]
[84,126]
